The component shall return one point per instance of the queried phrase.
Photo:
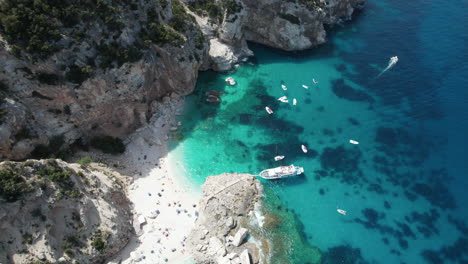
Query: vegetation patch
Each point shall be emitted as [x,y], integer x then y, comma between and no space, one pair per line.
[57,174]
[12,184]
[215,10]
[99,241]
[108,144]
[113,52]
[37,26]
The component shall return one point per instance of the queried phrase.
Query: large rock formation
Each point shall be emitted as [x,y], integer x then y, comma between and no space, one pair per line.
[221,234]
[105,76]
[51,211]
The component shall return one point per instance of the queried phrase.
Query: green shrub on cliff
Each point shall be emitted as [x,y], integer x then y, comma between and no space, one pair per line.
[108,144]
[12,184]
[36,26]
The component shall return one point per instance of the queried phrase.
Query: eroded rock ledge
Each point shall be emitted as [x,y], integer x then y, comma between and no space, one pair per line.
[222,234]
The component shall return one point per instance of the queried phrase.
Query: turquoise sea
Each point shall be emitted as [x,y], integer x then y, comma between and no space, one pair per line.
[405,184]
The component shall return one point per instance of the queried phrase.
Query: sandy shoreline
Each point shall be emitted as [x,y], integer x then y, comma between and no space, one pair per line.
[166,206]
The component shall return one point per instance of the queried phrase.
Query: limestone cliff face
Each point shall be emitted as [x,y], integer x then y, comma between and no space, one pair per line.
[52,212]
[40,105]
[287,25]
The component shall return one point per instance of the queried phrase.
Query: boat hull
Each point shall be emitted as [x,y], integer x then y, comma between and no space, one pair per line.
[281,172]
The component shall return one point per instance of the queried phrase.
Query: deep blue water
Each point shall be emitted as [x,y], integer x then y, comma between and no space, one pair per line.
[404,186]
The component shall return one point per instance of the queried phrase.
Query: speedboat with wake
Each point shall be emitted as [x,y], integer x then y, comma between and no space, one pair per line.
[281,172]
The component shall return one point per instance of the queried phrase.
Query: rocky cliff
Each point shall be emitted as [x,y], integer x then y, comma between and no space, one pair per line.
[101,68]
[53,212]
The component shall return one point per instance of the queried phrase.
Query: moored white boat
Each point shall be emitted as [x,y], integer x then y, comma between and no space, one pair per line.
[230,81]
[294,101]
[277,158]
[268,109]
[281,172]
[314,81]
[283,99]
[284,87]
[353,142]
[304,148]
[343,212]
[305,86]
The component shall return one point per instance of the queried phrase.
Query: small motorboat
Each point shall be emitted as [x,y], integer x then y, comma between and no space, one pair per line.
[284,87]
[230,81]
[268,109]
[343,212]
[304,148]
[314,81]
[277,158]
[212,99]
[305,86]
[283,99]
[353,142]
[281,172]
[294,101]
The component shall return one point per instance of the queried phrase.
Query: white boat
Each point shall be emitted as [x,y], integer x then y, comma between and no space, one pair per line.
[281,172]
[283,99]
[314,81]
[230,81]
[353,142]
[294,101]
[268,109]
[343,212]
[305,86]
[284,87]
[277,158]
[304,148]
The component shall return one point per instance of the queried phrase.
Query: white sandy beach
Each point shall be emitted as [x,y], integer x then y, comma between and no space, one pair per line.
[161,199]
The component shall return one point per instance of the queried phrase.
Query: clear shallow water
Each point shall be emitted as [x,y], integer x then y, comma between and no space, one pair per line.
[404,185]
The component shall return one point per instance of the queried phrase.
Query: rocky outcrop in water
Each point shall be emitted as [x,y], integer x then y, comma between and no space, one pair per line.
[222,234]
[51,212]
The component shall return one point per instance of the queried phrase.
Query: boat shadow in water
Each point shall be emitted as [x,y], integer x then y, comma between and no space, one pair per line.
[284,182]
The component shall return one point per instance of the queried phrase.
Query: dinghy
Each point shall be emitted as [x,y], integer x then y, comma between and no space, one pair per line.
[277,158]
[353,142]
[294,101]
[314,81]
[268,109]
[343,212]
[304,148]
[305,86]
[283,99]
[230,81]
[284,87]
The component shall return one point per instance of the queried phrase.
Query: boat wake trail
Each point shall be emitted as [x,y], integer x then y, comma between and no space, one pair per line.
[393,60]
